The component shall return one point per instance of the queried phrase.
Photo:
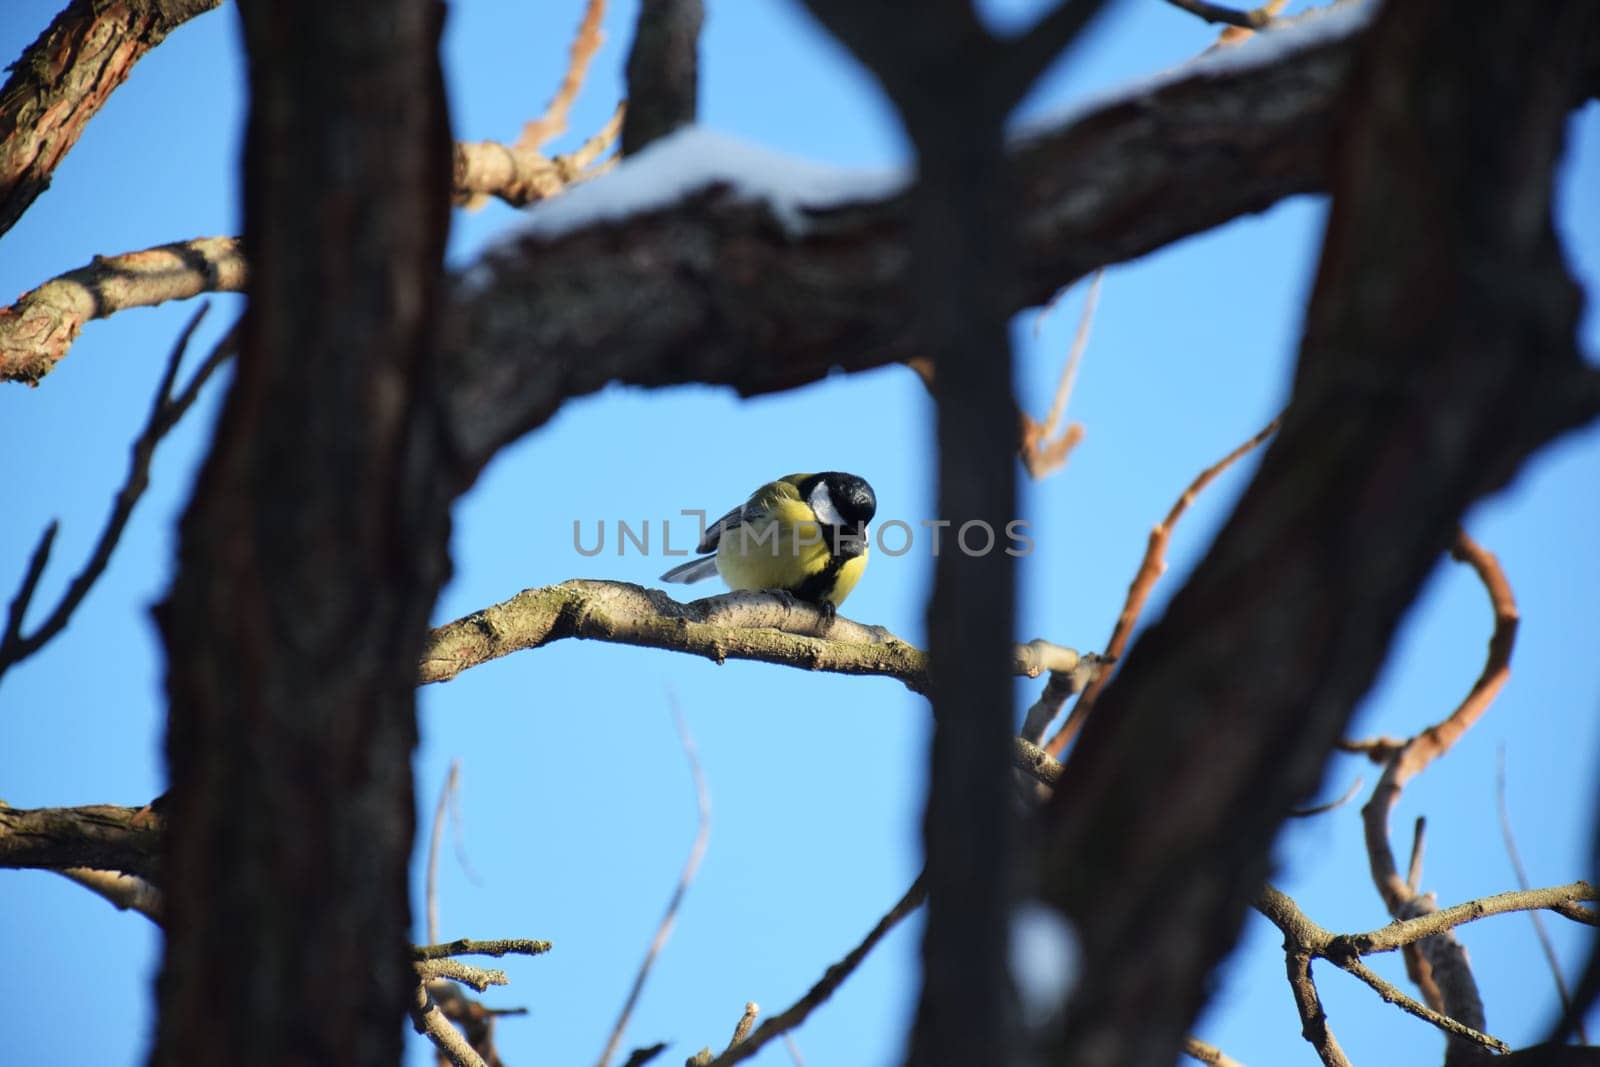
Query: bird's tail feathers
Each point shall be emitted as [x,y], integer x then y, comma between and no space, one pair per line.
[693,571]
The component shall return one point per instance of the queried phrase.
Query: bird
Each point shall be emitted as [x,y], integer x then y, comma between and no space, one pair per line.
[804,535]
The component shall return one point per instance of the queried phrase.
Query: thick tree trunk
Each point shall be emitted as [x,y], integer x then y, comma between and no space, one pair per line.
[310,558]
[1439,353]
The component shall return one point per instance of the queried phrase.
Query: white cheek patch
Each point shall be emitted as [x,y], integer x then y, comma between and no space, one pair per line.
[821,502]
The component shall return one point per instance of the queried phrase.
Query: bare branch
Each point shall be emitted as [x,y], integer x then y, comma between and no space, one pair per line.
[1151,568]
[832,978]
[1408,931]
[1313,1020]
[37,330]
[465,946]
[1338,802]
[479,978]
[446,792]
[1256,19]
[1521,872]
[430,1021]
[742,1029]
[745,625]
[691,867]
[64,77]
[1305,940]
[1199,1050]
[1044,451]
[1035,762]
[165,412]
[540,131]
[1415,755]
[839,296]
[100,836]
[521,176]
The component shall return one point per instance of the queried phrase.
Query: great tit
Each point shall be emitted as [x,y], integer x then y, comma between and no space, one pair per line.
[804,534]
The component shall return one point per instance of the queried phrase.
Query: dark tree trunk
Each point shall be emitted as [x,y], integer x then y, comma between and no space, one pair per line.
[310,558]
[1439,353]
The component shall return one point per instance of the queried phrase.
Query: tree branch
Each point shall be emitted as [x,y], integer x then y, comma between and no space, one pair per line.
[519,175]
[831,980]
[1304,938]
[743,625]
[63,78]
[1151,568]
[663,71]
[691,867]
[536,133]
[100,836]
[37,330]
[717,290]
[165,412]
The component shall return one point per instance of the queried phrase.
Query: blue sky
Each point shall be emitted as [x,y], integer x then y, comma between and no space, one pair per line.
[577,806]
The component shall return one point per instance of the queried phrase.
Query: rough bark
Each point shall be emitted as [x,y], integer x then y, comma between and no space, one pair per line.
[64,77]
[310,557]
[113,838]
[1439,352]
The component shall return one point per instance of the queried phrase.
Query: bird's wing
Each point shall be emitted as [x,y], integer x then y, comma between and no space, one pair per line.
[760,505]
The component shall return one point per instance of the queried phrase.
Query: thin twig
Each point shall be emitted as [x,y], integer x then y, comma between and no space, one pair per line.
[1313,1020]
[165,412]
[1151,568]
[697,851]
[1409,1004]
[1577,913]
[1338,802]
[832,978]
[434,837]
[1206,1053]
[1406,931]
[476,1021]
[1304,938]
[1521,872]
[741,1030]
[1235,34]
[430,1021]
[1416,754]
[1043,452]
[794,1050]
[479,978]
[514,946]
[1438,966]
[540,131]
[1256,19]
[1419,832]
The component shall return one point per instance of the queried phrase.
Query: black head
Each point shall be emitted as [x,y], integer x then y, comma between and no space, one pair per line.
[840,499]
